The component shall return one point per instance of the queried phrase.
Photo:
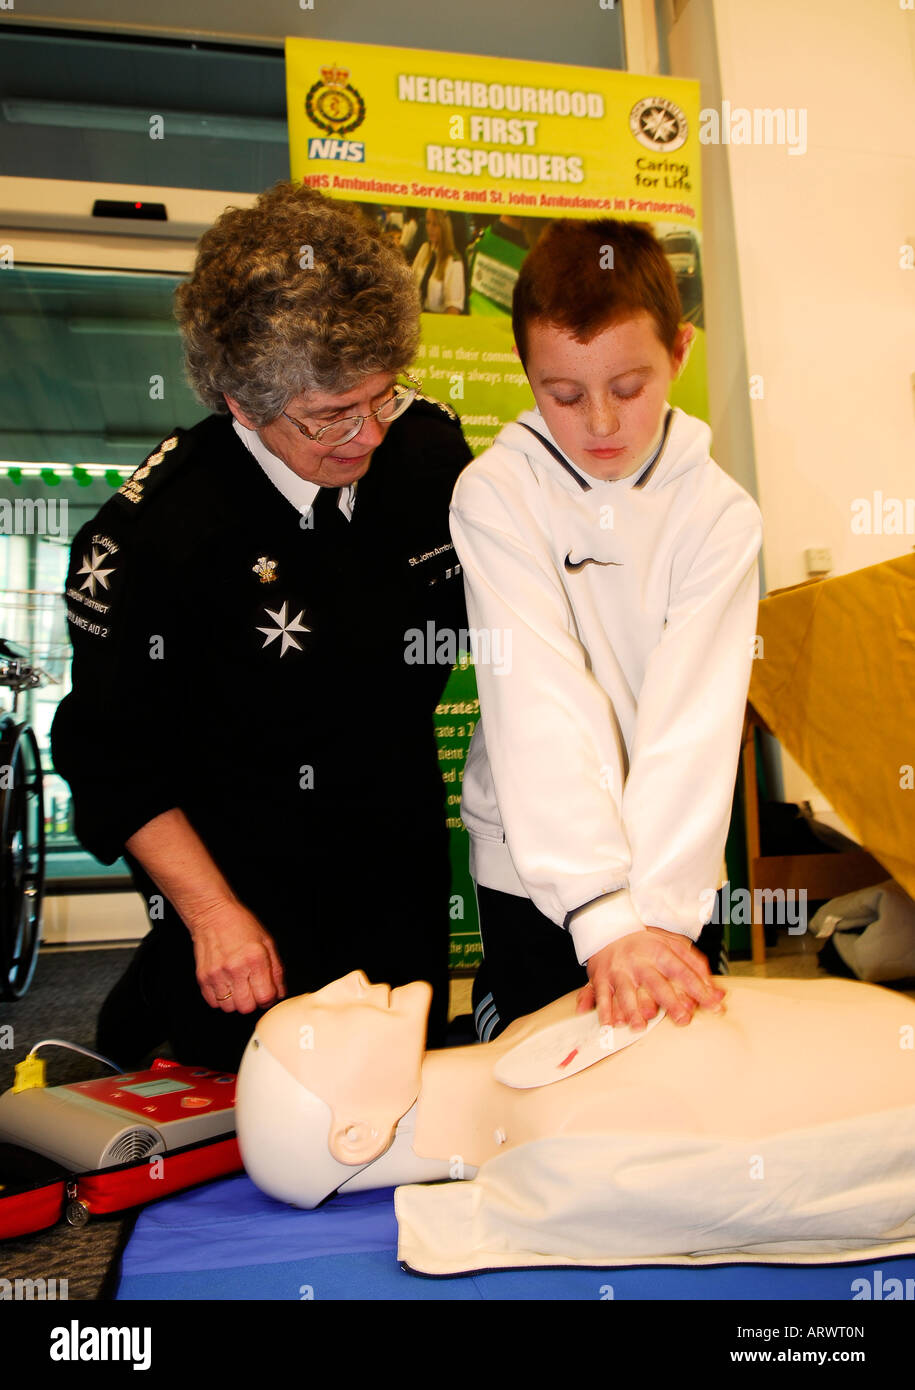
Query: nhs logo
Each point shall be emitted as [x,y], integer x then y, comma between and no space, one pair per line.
[352,151]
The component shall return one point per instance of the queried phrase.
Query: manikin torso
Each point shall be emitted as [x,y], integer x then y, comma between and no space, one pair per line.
[789,1121]
[787,1054]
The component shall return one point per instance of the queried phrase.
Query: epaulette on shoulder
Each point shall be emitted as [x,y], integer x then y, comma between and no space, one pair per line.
[430,400]
[154,472]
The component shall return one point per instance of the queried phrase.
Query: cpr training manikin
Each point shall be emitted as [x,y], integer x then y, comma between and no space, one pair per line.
[782,1129]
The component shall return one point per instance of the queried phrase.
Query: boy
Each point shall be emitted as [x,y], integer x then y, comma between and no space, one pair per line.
[599,539]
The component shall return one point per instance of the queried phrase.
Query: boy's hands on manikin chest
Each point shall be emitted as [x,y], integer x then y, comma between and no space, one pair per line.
[633,977]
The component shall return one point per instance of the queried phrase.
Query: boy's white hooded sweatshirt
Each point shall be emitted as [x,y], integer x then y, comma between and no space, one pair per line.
[600,777]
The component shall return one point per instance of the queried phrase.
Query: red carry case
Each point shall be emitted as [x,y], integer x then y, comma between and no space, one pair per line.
[133,1184]
[32,1191]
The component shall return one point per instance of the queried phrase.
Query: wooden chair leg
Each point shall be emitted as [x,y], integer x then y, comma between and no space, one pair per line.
[751,819]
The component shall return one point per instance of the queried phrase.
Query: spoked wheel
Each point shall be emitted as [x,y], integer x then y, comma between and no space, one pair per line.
[21,856]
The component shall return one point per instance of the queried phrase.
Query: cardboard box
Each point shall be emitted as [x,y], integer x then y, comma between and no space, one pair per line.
[835,682]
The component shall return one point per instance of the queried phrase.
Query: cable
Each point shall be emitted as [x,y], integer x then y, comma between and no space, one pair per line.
[75,1047]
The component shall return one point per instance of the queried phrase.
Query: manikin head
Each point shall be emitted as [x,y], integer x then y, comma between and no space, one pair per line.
[324,1080]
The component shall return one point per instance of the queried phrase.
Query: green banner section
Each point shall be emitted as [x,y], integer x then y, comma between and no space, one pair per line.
[472,364]
[455,720]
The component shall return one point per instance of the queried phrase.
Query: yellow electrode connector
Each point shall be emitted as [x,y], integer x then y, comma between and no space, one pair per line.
[29,1073]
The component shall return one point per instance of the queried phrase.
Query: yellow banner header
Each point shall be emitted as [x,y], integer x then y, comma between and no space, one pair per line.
[452,130]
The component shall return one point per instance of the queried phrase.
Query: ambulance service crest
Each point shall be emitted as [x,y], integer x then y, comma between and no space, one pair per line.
[334,104]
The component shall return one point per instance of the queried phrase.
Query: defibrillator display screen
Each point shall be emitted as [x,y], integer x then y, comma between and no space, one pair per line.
[157,1088]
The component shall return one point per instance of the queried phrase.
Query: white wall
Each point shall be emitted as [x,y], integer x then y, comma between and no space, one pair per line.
[828,314]
[93,917]
[803,254]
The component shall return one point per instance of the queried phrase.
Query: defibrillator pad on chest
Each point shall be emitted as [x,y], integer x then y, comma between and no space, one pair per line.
[565,1048]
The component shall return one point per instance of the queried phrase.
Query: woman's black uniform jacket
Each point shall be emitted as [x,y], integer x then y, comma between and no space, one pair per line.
[233,661]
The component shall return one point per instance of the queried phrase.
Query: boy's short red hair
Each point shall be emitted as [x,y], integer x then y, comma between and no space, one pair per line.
[563,282]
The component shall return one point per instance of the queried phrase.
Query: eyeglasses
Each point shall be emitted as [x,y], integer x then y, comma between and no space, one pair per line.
[340,431]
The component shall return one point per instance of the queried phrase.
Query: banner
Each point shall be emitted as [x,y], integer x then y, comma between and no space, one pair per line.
[463,160]
[463,132]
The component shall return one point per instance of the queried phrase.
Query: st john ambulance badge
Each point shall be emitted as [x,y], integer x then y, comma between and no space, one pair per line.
[95,570]
[659,124]
[285,628]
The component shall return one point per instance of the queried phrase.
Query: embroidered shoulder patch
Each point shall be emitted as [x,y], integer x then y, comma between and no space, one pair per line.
[452,414]
[132,489]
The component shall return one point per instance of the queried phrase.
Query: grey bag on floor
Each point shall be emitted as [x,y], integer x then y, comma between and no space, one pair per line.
[872,932]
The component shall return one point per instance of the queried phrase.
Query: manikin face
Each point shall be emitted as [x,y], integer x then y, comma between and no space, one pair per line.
[604,400]
[359,1048]
[327,465]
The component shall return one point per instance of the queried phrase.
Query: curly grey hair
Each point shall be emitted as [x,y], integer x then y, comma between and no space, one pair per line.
[298,293]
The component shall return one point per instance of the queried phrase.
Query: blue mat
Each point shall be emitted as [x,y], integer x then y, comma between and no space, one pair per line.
[227,1240]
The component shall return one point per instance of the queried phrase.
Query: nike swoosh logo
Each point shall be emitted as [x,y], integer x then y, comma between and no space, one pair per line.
[574,566]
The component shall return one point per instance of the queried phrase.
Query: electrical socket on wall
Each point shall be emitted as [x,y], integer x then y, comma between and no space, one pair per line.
[819,560]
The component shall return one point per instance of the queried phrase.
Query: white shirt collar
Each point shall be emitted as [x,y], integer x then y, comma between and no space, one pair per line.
[299,491]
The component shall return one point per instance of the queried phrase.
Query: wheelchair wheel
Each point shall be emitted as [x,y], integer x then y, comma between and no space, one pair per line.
[22,848]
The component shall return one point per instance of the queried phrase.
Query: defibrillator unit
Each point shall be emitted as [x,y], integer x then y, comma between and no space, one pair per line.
[103,1146]
[123,1118]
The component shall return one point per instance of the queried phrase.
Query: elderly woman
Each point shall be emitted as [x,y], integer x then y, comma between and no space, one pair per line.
[243,725]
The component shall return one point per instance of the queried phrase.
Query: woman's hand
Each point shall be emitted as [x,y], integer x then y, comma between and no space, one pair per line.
[238,968]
